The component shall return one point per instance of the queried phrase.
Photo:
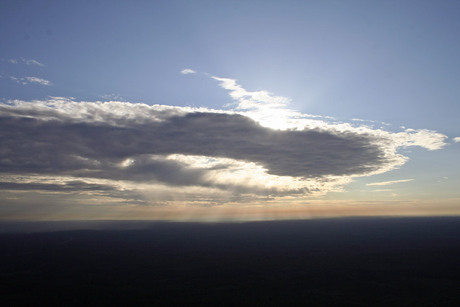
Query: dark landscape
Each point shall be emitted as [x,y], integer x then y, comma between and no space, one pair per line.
[325,262]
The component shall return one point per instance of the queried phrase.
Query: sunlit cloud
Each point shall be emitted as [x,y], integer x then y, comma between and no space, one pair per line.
[428,139]
[187,71]
[389,182]
[267,109]
[457,139]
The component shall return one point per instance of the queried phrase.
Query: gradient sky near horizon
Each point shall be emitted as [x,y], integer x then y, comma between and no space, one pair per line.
[217,110]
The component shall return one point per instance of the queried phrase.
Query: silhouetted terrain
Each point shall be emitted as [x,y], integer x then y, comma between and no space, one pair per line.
[354,261]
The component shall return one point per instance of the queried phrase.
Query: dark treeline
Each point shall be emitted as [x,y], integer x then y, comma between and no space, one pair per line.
[352,261]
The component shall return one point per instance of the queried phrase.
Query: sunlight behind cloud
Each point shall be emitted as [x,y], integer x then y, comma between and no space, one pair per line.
[258,154]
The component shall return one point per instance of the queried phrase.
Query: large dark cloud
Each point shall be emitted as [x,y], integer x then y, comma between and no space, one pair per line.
[57,146]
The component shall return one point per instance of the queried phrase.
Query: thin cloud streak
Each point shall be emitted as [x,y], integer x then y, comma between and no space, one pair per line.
[24,61]
[389,182]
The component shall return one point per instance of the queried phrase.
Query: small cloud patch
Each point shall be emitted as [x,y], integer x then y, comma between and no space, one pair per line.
[187,71]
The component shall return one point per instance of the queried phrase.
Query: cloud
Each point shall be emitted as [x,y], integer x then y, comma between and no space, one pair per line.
[159,154]
[29,80]
[187,71]
[457,139]
[74,186]
[428,139]
[32,62]
[38,80]
[247,100]
[370,121]
[273,112]
[24,61]
[309,153]
[388,182]
[111,97]
[268,110]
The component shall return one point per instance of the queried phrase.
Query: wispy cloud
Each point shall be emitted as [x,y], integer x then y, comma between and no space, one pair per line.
[251,100]
[457,139]
[370,121]
[187,71]
[38,80]
[24,61]
[264,107]
[29,80]
[111,97]
[389,182]
[32,62]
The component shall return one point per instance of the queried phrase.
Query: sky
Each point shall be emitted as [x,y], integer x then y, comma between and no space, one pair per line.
[228,110]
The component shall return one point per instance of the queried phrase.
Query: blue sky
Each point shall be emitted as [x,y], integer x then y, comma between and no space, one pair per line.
[393,65]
